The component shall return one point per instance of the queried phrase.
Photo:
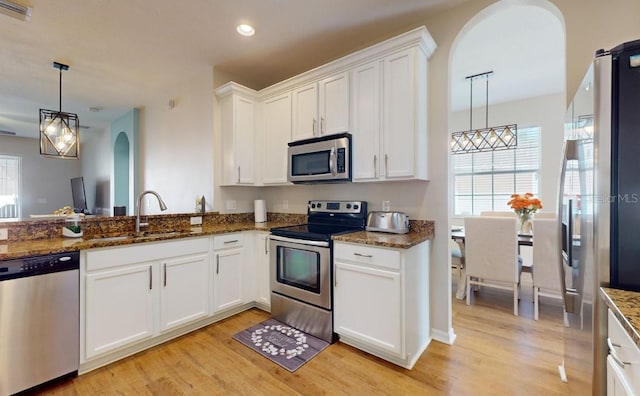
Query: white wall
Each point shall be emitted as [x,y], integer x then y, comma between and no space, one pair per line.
[96,164]
[548,112]
[176,145]
[46,184]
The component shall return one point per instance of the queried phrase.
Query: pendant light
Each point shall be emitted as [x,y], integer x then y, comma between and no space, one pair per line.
[59,131]
[484,139]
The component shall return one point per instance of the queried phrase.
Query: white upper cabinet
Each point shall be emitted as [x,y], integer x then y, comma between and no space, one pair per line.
[390,118]
[276,121]
[378,94]
[404,115]
[321,108]
[365,89]
[237,117]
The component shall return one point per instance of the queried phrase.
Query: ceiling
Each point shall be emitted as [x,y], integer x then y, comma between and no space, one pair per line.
[125,53]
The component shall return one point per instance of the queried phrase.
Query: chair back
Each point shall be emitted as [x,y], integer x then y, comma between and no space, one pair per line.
[546,254]
[498,213]
[491,248]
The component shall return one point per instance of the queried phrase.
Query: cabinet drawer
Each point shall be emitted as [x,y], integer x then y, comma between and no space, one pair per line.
[387,258]
[228,241]
[626,351]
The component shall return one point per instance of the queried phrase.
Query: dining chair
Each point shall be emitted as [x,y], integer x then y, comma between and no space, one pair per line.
[494,213]
[491,254]
[546,260]
[457,262]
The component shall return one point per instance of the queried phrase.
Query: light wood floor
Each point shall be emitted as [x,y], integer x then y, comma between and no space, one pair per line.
[495,353]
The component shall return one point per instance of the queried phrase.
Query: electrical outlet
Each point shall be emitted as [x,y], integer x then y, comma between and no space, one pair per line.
[4,234]
[231,204]
[196,220]
[285,204]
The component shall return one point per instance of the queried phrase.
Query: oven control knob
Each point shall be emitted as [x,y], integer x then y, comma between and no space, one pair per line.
[319,205]
[355,207]
[348,206]
[313,206]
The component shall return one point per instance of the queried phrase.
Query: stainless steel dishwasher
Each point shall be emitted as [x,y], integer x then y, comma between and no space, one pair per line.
[39,320]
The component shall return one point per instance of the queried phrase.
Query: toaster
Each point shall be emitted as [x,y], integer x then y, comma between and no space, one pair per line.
[394,222]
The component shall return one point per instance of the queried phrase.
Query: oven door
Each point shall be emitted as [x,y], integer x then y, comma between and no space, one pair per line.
[301,270]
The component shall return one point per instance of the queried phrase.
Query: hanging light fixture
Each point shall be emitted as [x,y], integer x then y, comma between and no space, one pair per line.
[59,131]
[484,139]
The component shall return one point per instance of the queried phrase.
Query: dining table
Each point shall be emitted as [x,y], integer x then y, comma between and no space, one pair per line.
[458,236]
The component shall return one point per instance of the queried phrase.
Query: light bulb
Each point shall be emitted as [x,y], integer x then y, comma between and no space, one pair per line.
[478,138]
[492,136]
[245,30]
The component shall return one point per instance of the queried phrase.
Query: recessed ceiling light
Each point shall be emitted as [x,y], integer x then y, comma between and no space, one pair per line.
[246,30]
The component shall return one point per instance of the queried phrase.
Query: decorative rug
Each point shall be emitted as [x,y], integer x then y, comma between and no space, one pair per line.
[281,343]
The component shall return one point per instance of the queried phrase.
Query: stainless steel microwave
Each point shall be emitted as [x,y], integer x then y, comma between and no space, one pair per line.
[325,159]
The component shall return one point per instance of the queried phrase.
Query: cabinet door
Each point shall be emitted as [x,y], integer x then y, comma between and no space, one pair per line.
[184,290]
[119,307]
[237,129]
[244,140]
[368,305]
[399,116]
[334,104]
[263,288]
[227,279]
[305,112]
[277,133]
[616,382]
[366,121]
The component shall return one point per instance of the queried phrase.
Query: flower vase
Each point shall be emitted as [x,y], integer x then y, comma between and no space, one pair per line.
[526,223]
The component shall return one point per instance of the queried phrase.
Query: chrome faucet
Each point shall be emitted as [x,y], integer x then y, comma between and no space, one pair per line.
[139,208]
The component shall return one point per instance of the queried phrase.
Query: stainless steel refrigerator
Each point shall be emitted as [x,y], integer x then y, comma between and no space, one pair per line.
[602,158]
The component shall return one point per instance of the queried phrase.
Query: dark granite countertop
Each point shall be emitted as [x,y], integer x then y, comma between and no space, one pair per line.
[626,307]
[17,249]
[420,231]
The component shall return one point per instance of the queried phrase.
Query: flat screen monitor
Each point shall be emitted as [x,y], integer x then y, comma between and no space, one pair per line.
[79,195]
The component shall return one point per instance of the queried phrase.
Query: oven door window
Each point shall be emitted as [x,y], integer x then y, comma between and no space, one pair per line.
[299,268]
[315,163]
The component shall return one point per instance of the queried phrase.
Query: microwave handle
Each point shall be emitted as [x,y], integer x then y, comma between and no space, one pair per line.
[332,162]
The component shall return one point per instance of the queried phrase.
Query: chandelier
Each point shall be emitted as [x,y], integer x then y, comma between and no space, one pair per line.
[484,139]
[59,131]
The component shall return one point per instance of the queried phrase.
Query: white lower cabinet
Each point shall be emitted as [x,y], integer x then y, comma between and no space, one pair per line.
[228,288]
[184,290]
[381,300]
[135,293]
[119,307]
[261,255]
[623,362]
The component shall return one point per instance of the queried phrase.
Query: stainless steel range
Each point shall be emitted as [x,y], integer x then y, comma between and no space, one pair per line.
[300,265]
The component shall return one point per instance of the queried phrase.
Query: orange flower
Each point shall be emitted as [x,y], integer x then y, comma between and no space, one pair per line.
[526,203]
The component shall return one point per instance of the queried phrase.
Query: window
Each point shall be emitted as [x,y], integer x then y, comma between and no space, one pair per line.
[485,181]
[9,187]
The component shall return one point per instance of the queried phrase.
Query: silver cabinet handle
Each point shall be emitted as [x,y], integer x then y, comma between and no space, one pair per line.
[238,174]
[234,241]
[321,125]
[335,276]
[165,275]
[266,243]
[386,165]
[150,277]
[363,255]
[613,354]
[375,165]
[313,127]
[217,264]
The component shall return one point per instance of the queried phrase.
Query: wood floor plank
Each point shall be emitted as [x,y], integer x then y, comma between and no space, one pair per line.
[495,353]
